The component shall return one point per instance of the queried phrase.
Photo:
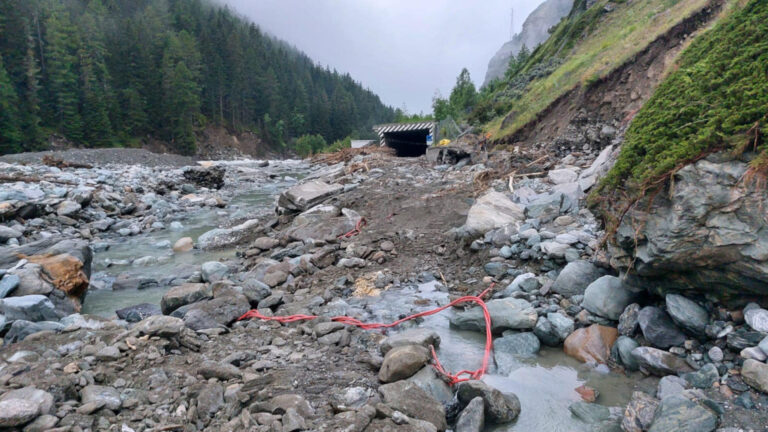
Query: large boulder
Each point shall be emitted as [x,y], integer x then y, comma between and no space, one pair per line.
[416,336]
[658,328]
[323,225]
[607,297]
[591,344]
[211,177]
[216,313]
[681,414]
[687,314]
[706,235]
[575,278]
[506,314]
[499,407]
[402,362]
[304,196]
[493,210]
[184,294]
[221,237]
[29,308]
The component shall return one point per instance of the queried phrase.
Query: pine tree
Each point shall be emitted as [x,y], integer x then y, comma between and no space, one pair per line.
[62,77]
[463,96]
[10,132]
[94,79]
[181,91]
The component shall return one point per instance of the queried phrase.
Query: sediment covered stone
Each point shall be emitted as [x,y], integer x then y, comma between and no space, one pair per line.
[591,344]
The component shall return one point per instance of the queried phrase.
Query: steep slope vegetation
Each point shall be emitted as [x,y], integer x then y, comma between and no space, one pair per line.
[115,72]
[626,44]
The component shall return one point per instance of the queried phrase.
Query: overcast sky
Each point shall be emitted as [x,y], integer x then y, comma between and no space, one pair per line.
[403,50]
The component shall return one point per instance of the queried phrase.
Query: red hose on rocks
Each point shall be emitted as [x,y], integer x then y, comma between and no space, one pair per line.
[453,378]
[358,229]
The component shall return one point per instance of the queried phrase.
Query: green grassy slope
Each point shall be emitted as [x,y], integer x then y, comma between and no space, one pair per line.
[717,98]
[590,44]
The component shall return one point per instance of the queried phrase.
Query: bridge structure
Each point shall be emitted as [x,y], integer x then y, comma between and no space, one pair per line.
[408,139]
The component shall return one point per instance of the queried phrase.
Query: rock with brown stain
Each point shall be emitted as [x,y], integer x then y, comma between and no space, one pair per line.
[65,272]
[592,344]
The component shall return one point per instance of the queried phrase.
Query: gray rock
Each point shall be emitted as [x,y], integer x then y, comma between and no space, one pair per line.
[7,233]
[307,195]
[493,210]
[755,374]
[628,321]
[255,291]
[417,336]
[659,362]
[680,414]
[8,284]
[209,401]
[410,399]
[670,385]
[546,332]
[20,329]
[622,352]
[560,176]
[29,308]
[32,281]
[184,294]
[703,378]
[517,344]
[282,403]
[715,354]
[607,297]
[472,417]
[589,412]
[159,325]
[41,398]
[575,278]
[216,313]
[402,362]
[109,396]
[17,412]
[67,208]
[265,243]
[43,423]
[323,328]
[109,353]
[740,339]
[222,237]
[499,407]
[506,314]
[763,345]
[639,412]
[222,371]
[293,421]
[432,383]
[138,312]
[659,329]
[757,319]
[213,271]
[754,353]
[687,314]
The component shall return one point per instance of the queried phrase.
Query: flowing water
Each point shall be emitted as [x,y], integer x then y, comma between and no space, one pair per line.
[544,384]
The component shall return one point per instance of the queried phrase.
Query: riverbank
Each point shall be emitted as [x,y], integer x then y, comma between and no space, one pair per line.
[573,348]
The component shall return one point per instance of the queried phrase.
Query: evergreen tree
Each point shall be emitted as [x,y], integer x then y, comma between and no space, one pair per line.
[181,91]
[60,60]
[10,132]
[463,96]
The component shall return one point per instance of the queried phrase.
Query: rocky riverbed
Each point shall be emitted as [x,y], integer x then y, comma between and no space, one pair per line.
[122,286]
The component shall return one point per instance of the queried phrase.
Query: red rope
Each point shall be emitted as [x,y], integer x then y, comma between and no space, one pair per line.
[453,378]
[358,229]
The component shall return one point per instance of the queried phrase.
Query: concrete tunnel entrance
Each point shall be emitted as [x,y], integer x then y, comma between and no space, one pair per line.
[407,139]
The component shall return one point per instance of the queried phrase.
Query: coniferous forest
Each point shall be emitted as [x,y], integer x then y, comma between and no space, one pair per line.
[104,73]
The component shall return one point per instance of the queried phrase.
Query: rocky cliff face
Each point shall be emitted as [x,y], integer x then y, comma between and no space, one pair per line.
[707,233]
[535,31]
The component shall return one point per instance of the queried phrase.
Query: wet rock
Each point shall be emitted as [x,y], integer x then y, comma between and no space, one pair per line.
[28,308]
[592,344]
[184,294]
[628,321]
[402,362]
[472,417]
[622,352]
[517,344]
[429,381]
[506,314]
[553,329]
[138,312]
[17,412]
[160,325]
[222,371]
[211,177]
[417,336]
[219,312]
[755,374]
[410,399]
[659,362]
[687,314]
[703,378]
[678,413]
[607,297]
[109,396]
[184,244]
[589,412]
[639,413]
[20,329]
[658,328]
[213,271]
[222,237]
[575,278]
[499,407]
[8,283]
[587,393]
[757,319]
[493,210]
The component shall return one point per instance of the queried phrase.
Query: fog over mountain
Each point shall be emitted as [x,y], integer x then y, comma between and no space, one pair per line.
[403,50]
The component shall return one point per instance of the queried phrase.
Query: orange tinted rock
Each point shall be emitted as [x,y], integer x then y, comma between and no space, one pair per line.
[587,393]
[592,344]
[65,272]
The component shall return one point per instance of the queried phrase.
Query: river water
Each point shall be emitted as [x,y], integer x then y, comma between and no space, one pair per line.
[545,384]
